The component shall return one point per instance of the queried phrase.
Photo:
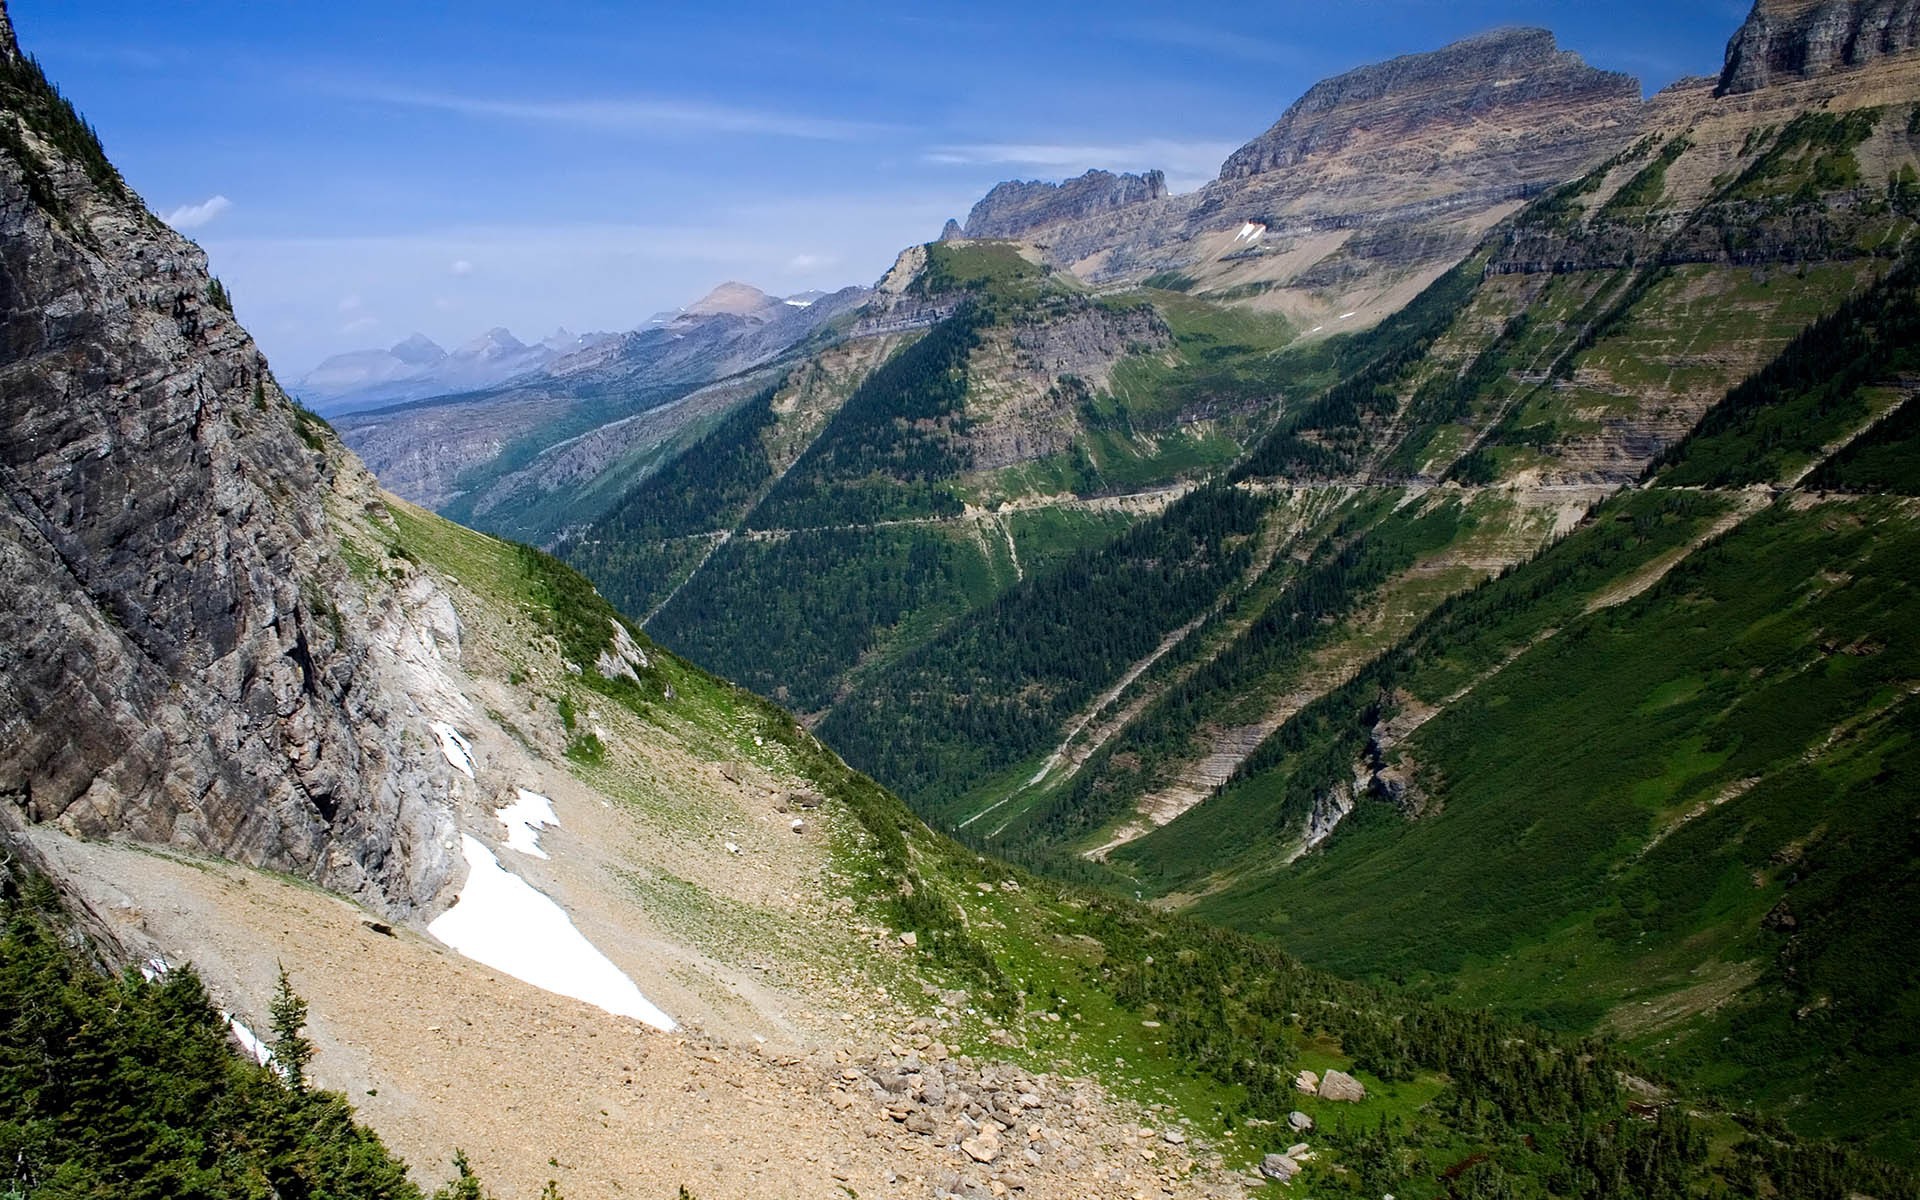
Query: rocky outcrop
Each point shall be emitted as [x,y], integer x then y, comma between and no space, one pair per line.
[183,657]
[1028,384]
[1803,39]
[1018,208]
[1342,1087]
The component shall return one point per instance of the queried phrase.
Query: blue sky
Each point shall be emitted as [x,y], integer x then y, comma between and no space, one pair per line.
[361,169]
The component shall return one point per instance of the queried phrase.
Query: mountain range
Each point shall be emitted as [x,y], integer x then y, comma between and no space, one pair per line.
[417,368]
[1389,675]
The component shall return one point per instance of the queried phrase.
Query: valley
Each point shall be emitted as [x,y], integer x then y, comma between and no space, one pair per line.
[1388,674]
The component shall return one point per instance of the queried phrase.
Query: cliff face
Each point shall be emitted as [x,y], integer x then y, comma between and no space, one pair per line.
[1017,208]
[1516,81]
[1803,39]
[182,659]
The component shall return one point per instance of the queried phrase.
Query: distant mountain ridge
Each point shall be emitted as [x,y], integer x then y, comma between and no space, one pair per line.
[418,368]
[1369,186]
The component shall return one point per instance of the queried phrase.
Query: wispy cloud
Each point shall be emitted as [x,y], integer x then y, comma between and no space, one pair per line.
[193,216]
[1219,43]
[634,115]
[1186,163]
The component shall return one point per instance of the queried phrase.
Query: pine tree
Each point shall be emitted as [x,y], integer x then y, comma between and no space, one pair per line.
[291,1049]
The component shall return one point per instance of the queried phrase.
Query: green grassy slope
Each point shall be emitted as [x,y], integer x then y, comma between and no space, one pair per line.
[1209,1022]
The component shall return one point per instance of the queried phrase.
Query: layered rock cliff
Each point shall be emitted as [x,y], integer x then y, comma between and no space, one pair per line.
[1019,207]
[183,656]
[1804,39]
[1509,99]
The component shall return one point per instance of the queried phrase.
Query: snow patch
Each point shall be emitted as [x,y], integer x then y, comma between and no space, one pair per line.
[1344,316]
[525,818]
[458,750]
[1251,232]
[249,1041]
[502,921]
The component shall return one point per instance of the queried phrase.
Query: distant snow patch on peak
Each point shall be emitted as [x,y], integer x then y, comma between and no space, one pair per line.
[500,920]
[457,750]
[524,819]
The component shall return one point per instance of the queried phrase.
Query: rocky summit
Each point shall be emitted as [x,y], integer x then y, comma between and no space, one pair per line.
[1016,208]
[1803,39]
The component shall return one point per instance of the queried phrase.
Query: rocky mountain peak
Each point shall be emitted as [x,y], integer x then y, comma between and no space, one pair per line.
[497,342]
[1018,207]
[1505,77]
[732,298]
[418,349]
[1802,39]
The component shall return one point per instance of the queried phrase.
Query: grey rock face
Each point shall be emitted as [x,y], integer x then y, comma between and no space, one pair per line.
[181,658]
[1485,78]
[1018,208]
[1803,39]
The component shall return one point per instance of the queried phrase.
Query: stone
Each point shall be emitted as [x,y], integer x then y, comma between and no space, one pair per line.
[1306,1081]
[1280,1167]
[1340,1086]
[983,1147]
[909,939]
[1299,1121]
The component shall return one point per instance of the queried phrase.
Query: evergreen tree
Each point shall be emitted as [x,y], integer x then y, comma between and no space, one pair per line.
[291,1049]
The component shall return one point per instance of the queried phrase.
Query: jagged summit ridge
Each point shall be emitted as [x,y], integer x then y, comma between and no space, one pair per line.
[1804,39]
[1021,206]
[1482,78]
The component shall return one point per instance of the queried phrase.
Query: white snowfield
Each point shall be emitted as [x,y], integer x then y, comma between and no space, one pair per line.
[524,819]
[249,1041]
[502,921]
[458,750]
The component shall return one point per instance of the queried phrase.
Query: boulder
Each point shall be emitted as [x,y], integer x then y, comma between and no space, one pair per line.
[1279,1166]
[1338,1085]
[1299,1121]
[1307,1081]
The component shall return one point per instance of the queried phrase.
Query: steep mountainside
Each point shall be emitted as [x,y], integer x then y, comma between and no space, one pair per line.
[909,475]
[187,659]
